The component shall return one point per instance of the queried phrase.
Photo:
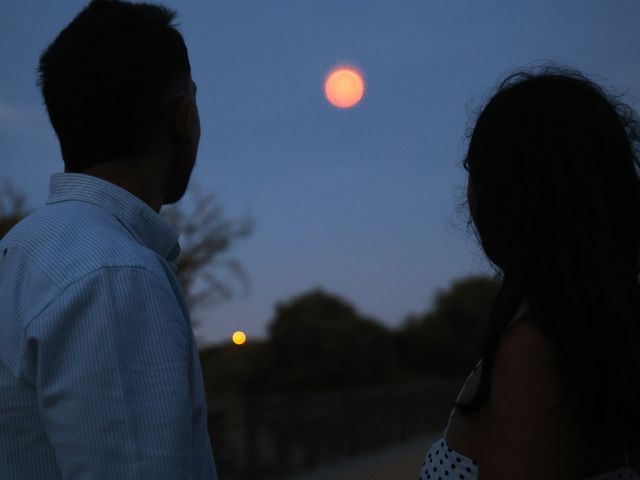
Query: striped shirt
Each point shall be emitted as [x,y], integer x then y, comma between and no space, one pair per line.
[99,370]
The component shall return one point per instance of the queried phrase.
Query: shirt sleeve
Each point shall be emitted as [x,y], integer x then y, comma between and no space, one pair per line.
[110,357]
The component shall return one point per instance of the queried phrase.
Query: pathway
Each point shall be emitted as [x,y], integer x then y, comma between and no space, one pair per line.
[397,462]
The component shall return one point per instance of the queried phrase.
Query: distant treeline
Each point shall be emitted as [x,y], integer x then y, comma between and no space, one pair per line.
[319,342]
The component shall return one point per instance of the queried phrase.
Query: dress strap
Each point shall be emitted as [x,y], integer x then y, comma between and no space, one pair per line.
[453,409]
[446,430]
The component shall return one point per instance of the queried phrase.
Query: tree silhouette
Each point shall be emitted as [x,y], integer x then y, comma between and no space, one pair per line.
[321,342]
[230,369]
[447,340]
[205,237]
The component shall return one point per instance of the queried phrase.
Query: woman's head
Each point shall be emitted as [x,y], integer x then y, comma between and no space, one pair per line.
[554,193]
[552,161]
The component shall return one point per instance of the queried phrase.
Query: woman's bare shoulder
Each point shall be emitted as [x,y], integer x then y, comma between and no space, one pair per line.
[523,338]
[526,355]
[520,422]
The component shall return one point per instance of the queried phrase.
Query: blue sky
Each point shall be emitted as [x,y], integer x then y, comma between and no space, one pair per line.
[361,202]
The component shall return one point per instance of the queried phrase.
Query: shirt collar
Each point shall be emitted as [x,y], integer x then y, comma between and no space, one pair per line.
[147,226]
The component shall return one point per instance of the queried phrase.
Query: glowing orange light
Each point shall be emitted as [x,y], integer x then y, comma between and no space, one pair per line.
[239,337]
[344,87]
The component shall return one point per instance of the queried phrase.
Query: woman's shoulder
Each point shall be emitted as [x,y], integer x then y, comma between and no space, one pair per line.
[525,386]
[523,340]
[520,421]
[526,356]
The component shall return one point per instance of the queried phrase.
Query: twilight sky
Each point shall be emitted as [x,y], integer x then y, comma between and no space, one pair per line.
[361,202]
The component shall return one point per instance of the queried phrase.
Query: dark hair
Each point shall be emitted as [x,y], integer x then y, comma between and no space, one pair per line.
[105,77]
[553,163]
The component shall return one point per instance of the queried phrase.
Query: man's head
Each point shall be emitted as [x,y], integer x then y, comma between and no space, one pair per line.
[117,86]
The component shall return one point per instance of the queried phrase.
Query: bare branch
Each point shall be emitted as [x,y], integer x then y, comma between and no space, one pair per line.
[205,237]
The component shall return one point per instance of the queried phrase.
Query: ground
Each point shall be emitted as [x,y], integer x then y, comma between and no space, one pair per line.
[397,462]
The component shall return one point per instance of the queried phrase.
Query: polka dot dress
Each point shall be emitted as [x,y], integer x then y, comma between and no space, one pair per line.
[444,463]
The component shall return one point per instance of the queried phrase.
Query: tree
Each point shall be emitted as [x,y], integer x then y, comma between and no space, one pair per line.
[447,340]
[321,342]
[205,237]
[233,369]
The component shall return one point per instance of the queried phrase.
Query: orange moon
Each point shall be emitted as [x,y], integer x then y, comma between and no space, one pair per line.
[239,337]
[344,87]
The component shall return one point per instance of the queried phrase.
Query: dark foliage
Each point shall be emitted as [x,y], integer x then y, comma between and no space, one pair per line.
[447,340]
[321,342]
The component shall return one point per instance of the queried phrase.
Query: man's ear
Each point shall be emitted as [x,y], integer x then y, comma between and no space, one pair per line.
[186,127]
